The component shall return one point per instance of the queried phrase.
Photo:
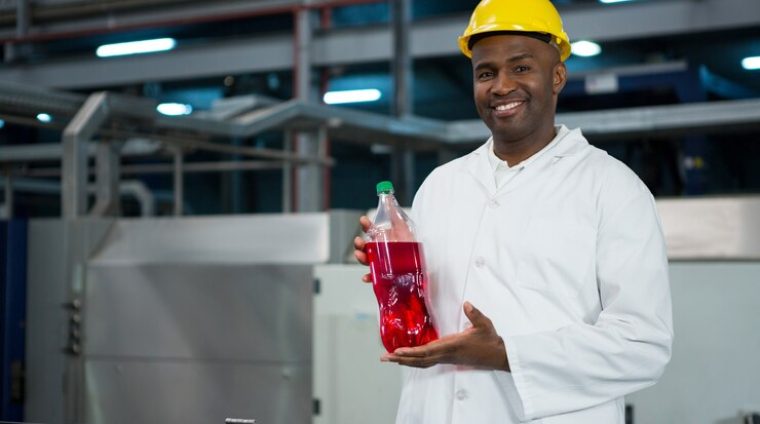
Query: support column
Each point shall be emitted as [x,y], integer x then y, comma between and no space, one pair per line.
[74,173]
[309,175]
[309,179]
[287,175]
[13,51]
[402,158]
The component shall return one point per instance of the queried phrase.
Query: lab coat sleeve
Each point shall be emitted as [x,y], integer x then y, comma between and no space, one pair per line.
[627,348]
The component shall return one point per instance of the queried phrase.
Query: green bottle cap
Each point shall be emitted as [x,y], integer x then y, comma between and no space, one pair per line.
[384,187]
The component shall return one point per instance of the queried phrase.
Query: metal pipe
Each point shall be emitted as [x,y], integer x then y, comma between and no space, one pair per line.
[250,151]
[187,143]
[75,137]
[106,180]
[134,188]
[168,168]
[199,167]
[63,10]
[252,13]
[54,151]
[142,194]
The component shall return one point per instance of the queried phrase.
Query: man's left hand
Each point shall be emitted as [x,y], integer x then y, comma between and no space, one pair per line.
[478,346]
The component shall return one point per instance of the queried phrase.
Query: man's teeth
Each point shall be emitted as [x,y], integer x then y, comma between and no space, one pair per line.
[508,106]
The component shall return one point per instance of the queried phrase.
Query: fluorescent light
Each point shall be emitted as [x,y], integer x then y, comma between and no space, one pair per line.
[613,1]
[44,117]
[136,47]
[2,123]
[174,109]
[351,96]
[585,48]
[751,63]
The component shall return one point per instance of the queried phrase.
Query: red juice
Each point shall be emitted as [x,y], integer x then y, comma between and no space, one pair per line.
[399,281]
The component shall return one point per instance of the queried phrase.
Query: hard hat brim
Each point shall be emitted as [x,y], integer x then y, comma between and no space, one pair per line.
[562,43]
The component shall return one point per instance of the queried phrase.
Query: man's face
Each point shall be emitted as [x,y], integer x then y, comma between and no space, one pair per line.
[516,81]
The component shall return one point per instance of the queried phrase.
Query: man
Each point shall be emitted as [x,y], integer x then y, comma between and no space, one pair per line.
[557,244]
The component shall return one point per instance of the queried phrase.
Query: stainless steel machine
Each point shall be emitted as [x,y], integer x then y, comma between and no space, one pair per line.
[187,320]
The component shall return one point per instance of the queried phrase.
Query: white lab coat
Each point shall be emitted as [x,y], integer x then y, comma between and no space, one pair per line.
[568,261]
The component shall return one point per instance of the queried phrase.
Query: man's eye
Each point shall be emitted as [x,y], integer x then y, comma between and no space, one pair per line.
[522,68]
[485,75]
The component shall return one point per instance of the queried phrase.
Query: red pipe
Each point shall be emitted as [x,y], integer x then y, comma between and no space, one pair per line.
[275,10]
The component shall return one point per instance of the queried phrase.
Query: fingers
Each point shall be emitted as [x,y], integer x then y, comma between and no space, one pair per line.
[475,316]
[469,310]
[411,358]
[441,351]
[359,244]
[409,362]
[365,223]
[411,352]
[359,251]
[361,257]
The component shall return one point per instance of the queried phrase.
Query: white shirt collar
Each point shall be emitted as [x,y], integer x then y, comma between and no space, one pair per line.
[499,164]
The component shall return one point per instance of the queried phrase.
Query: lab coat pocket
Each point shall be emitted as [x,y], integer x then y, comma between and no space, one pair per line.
[559,257]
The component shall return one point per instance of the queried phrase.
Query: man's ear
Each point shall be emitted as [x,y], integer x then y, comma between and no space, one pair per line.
[559,76]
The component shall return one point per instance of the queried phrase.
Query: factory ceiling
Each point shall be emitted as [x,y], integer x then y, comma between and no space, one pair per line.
[57,38]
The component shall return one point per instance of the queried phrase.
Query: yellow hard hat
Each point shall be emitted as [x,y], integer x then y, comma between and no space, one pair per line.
[519,16]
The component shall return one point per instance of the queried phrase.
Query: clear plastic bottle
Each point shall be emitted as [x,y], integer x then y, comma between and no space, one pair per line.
[397,267]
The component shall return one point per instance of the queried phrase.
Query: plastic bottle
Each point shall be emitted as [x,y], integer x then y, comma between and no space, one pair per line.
[397,267]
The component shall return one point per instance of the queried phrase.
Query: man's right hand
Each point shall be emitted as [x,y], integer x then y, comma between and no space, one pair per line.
[359,243]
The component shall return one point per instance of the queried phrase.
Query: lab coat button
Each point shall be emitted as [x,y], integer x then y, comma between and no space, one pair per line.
[461,394]
[479,262]
[493,204]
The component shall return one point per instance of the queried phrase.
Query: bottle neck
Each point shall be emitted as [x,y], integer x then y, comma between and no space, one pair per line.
[387,198]
[386,205]
[391,223]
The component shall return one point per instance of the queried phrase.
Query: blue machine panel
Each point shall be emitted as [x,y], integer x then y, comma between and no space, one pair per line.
[13,251]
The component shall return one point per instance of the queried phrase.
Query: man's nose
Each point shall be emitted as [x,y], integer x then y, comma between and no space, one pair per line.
[503,84]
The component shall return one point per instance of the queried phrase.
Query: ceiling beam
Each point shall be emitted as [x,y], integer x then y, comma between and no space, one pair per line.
[429,38]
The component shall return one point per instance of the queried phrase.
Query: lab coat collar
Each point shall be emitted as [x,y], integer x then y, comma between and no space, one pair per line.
[569,142]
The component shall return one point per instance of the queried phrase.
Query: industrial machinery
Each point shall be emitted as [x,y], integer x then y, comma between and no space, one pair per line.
[198,319]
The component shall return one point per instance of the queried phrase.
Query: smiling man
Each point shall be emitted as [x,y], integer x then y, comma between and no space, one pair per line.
[516,83]
[548,275]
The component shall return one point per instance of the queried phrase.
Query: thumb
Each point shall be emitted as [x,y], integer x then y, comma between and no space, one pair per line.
[475,316]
